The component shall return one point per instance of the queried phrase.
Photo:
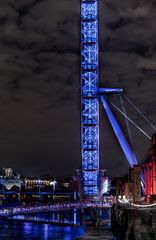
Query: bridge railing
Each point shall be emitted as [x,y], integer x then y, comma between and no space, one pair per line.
[49,207]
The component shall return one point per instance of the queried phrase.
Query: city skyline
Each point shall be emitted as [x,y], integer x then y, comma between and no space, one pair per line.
[40,82]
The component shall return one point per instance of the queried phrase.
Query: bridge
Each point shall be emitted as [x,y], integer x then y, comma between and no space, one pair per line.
[5,212]
[75,194]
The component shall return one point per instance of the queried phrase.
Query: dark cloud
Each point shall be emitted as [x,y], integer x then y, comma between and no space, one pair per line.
[39,80]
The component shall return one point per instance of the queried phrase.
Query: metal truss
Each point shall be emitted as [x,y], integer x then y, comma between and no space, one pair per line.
[89,97]
[90,111]
[89,31]
[89,57]
[90,137]
[89,84]
[89,10]
[89,160]
[90,182]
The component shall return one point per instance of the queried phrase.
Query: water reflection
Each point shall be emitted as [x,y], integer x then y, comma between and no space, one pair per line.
[26,231]
[64,217]
[75,216]
[45,231]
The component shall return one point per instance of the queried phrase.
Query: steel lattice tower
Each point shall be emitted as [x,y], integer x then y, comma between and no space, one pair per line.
[89,97]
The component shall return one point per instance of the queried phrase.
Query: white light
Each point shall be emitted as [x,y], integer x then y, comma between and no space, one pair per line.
[53,183]
[144,206]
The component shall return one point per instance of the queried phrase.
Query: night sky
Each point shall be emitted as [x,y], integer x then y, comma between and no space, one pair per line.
[39,81]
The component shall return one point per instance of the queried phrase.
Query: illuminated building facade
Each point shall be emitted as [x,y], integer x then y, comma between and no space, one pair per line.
[9,179]
[89,97]
[105,184]
[10,183]
[31,183]
[8,172]
[150,179]
[150,172]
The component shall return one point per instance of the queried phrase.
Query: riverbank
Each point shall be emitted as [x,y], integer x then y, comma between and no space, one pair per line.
[96,233]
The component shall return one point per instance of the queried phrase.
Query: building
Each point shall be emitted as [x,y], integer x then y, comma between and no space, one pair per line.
[149,168]
[129,188]
[134,184]
[9,179]
[121,188]
[8,172]
[31,183]
[105,183]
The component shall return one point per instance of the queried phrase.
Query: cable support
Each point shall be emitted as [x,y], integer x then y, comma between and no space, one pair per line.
[131,121]
[139,111]
[129,131]
[128,127]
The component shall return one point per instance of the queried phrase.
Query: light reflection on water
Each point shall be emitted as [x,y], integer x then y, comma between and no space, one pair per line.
[64,217]
[37,231]
[35,226]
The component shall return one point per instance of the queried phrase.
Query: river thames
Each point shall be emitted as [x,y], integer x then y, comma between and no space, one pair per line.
[20,230]
[55,225]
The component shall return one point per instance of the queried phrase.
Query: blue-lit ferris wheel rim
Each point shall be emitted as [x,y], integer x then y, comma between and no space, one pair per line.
[89,97]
